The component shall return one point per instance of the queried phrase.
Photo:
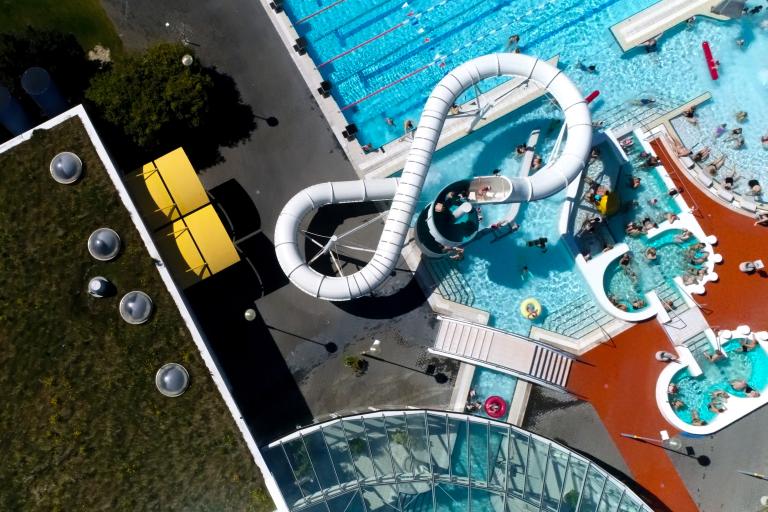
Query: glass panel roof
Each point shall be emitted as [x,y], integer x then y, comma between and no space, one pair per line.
[428,461]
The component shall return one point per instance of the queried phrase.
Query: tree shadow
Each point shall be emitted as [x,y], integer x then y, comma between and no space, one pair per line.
[59,54]
[229,122]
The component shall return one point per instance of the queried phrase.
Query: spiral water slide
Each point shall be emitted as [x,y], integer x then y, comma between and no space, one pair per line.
[404,191]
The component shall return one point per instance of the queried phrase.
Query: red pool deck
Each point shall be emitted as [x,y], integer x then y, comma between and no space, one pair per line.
[619,377]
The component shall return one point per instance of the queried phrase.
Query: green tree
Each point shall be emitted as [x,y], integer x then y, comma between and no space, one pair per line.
[152,97]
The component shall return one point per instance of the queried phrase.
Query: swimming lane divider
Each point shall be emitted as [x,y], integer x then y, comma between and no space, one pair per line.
[347,52]
[308,17]
[382,89]
[412,16]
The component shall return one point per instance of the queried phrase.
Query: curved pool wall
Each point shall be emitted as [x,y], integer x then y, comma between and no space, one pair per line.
[492,268]
[593,270]
[736,406]
[596,269]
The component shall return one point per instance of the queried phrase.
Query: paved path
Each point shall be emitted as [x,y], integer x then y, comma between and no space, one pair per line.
[736,299]
[287,341]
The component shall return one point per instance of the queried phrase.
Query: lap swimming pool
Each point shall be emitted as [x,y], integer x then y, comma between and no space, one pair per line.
[383,58]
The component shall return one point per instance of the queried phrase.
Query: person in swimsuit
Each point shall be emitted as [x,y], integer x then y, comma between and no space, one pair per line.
[741,385]
[747,344]
[696,420]
[715,356]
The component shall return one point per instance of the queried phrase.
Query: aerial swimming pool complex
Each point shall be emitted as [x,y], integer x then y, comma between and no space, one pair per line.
[535,163]
[537,282]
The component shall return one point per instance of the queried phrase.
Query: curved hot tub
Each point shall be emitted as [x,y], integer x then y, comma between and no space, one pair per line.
[682,397]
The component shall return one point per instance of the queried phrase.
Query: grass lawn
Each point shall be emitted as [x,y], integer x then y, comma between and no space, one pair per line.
[85,19]
[82,426]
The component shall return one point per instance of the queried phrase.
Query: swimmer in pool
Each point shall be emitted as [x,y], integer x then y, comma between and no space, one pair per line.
[741,385]
[696,420]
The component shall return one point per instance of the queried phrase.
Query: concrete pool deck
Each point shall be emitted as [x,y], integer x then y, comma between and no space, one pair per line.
[658,18]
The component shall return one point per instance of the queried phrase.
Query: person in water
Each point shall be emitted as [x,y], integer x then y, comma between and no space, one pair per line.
[741,385]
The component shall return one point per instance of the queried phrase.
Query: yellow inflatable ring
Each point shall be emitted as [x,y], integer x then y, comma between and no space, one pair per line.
[530,308]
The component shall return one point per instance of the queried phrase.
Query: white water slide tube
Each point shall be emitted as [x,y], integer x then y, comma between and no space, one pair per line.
[404,192]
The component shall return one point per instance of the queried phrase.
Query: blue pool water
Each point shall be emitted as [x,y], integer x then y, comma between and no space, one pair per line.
[494,269]
[487,383]
[577,30]
[670,258]
[695,392]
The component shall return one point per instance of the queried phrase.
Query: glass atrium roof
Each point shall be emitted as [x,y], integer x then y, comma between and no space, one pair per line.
[419,461]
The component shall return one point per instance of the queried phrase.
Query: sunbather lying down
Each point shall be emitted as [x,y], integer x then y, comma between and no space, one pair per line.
[680,149]
[715,166]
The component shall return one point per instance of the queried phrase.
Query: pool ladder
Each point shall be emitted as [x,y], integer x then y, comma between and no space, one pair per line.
[577,318]
[449,281]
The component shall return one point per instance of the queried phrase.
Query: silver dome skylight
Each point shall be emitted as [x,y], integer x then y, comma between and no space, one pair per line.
[66,167]
[172,379]
[136,307]
[104,244]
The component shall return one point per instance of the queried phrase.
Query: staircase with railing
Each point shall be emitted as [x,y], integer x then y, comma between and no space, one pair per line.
[577,318]
[698,345]
[449,281]
[624,117]
[671,298]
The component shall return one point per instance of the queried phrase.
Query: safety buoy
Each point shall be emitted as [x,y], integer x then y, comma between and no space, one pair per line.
[495,406]
[530,308]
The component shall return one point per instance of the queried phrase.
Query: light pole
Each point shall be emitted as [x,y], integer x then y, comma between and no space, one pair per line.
[664,442]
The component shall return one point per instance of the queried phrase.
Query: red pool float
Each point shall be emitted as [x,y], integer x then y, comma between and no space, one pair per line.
[592,96]
[711,62]
[495,407]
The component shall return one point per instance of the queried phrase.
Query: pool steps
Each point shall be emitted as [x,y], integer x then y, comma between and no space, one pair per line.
[498,350]
[624,118]
[577,318]
[450,282]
